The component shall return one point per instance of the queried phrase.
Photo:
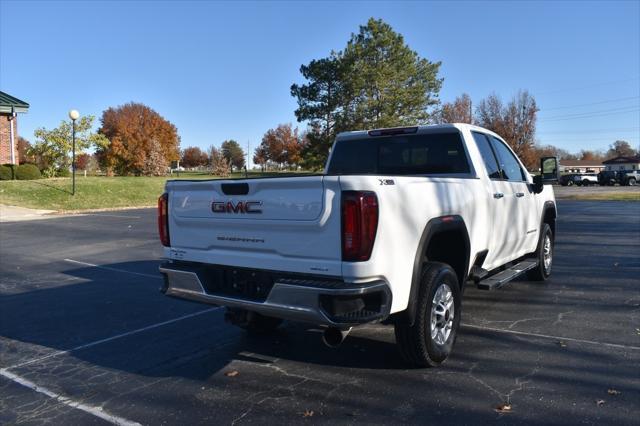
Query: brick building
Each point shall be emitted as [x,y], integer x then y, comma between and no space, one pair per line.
[9,109]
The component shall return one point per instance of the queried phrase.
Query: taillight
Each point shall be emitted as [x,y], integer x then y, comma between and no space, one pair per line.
[359,224]
[163,219]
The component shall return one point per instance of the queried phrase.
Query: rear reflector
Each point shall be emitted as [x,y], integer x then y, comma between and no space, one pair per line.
[163,219]
[359,225]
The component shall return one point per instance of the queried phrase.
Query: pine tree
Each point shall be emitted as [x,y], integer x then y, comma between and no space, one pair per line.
[376,81]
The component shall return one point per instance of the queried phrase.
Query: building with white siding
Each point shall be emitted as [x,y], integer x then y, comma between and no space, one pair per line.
[623,163]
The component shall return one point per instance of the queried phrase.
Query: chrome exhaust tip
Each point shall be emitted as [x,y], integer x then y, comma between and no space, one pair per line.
[333,337]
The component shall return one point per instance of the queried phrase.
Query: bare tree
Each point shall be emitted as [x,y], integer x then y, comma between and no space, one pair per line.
[621,149]
[459,111]
[515,122]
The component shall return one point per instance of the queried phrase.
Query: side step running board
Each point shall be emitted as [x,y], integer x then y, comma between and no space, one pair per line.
[477,274]
[501,278]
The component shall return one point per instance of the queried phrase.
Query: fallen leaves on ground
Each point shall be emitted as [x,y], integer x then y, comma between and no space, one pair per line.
[307,413]
[599,402]
[613,392]
[503,408]
[232,373]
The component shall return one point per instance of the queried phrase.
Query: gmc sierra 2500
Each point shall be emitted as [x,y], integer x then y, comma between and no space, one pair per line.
[397,223]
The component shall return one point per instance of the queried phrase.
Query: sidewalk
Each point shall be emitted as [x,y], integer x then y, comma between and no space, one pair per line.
[16,214]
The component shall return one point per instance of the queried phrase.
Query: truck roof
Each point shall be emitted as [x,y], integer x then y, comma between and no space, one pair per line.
[358,134]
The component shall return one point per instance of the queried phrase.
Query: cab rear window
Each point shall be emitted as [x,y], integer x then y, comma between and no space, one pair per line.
[418,154]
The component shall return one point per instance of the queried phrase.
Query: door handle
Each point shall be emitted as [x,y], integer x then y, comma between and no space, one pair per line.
[498,195]
[519,194]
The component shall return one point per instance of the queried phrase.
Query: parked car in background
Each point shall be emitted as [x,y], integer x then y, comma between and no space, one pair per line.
[580,179]
[567,180]
[621,177]
[630,178]
[586,179]
[608,178]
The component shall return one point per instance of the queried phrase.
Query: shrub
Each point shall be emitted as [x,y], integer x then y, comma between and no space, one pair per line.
[63,173]
[6,173]
[27,172]
[12,171]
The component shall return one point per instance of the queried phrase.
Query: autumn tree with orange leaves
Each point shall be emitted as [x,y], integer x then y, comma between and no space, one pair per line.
[281,146]
[193,157]
[141,141]
[261,157]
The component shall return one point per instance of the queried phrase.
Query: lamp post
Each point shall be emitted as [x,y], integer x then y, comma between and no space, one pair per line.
[73,115]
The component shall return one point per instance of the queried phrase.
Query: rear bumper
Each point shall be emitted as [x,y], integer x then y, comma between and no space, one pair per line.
[304,299]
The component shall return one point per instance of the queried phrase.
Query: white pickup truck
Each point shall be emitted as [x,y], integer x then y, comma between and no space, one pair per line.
[398,222]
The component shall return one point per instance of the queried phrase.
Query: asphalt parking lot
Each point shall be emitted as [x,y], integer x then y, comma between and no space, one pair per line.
[85,337]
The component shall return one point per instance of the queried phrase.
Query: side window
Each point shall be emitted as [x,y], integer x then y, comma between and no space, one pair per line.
[488,157]
[510,167]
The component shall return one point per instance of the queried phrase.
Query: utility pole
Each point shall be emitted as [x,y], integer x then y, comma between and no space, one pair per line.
[246,167]
[73,115]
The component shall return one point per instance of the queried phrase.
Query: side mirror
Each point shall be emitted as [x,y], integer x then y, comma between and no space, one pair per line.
[549,172]
[549,169]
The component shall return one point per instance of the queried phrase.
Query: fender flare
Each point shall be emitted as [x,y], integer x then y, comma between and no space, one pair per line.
[432,228]
[548,205]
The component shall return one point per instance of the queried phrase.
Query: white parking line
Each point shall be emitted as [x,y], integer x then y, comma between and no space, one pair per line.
[90,409]
[157,277]
[117,336]
[546,336]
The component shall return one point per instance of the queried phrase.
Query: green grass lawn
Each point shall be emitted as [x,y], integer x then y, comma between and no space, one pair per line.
[115,192]
[93,192]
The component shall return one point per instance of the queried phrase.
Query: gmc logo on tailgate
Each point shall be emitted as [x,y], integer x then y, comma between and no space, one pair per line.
[240,207]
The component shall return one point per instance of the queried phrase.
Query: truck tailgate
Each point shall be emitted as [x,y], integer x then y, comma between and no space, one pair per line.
[273,223]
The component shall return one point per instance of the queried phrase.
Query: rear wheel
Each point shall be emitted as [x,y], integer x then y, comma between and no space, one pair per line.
[429,341]
[252,322]
[632,182]
[586,182]
[544,255]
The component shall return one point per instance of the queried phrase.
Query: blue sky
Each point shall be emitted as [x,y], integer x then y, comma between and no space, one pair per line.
[221,70]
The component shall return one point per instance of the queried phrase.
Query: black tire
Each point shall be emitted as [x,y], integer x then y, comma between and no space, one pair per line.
[252,322]
[417,346]
[631,182]
[542,271]
[570,183]
[586,182]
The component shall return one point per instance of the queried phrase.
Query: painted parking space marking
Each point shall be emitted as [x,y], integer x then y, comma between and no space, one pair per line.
[107,268]
[112,338]
[546,336]
[90,409]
